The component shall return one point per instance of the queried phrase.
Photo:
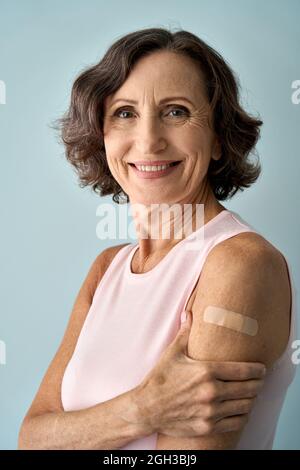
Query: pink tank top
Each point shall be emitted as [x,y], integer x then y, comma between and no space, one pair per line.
[126,330]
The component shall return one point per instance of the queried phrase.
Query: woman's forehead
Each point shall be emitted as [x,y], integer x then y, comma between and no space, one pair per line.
[157,82]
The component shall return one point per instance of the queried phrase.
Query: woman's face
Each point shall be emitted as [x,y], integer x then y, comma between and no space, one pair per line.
[168,121]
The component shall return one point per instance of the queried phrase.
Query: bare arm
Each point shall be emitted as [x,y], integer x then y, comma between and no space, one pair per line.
[107,425]
[243,274]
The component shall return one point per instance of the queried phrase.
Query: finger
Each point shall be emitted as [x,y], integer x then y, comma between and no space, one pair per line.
[237,370]
[186,319]
[233,423]
[232,408]
[182,337]
[239,390]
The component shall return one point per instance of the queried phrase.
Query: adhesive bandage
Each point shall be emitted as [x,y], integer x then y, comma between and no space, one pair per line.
[228,319]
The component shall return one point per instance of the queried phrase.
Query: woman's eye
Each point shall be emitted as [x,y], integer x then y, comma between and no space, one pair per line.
[119,111]
[182,112]
[125,113]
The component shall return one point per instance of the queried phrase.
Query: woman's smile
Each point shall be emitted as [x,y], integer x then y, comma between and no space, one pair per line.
[150,172]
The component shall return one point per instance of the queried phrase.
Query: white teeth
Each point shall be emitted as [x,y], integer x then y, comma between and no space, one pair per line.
[152,168]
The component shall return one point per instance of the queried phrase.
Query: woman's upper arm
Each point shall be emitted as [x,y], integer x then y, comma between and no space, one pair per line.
[48,396]
[250,279]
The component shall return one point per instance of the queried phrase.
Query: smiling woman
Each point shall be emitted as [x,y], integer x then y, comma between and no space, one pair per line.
[158,122]
[181,62]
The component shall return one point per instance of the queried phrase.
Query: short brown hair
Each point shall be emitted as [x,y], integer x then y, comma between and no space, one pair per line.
[81,126]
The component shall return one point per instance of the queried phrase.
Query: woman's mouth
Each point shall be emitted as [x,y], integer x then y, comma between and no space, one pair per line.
[154,171]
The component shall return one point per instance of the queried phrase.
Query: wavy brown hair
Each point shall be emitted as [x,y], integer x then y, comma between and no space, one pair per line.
[81,126]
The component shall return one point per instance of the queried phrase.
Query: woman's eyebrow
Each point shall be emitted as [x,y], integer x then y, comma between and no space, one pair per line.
[164,100]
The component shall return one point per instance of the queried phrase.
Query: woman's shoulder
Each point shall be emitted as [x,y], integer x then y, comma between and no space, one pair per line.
[101,264]
[109,253]
[248,245]
[105,258]
[253,256]
[248,275]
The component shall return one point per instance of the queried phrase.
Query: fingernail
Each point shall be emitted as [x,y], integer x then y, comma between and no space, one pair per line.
[183,316]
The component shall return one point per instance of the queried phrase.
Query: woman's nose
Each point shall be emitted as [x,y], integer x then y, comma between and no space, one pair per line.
[149,137]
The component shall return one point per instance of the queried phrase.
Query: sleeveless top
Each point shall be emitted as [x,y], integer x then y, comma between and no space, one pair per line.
[126,330]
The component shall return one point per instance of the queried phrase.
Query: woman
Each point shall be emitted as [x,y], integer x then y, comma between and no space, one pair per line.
[126,374]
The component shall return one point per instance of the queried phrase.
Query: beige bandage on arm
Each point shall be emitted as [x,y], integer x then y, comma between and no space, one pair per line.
[228,319]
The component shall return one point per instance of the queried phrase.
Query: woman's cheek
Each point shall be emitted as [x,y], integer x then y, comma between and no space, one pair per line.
[113,147]
[116,162]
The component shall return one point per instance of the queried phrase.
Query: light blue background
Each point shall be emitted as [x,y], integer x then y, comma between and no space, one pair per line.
[48,238]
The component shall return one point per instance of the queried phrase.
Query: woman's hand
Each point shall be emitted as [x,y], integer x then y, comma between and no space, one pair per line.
[184,397]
